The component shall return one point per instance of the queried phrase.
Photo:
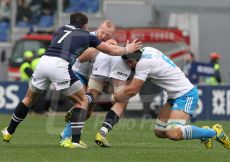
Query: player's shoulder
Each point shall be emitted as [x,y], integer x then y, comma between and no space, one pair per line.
[74,29]
[150,50]
[150,53]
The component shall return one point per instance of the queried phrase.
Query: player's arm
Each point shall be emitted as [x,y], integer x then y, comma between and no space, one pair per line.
[88,55]
[117,50]
[91,53]
[143,68]
[129,91]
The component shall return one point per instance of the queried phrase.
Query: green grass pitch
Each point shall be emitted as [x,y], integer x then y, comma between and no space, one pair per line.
[37,140]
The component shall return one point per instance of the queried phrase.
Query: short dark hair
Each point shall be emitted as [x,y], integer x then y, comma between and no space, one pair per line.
[78,19]
[133,56]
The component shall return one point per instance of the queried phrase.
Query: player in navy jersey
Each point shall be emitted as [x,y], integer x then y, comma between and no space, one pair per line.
[104,32]
[55,67]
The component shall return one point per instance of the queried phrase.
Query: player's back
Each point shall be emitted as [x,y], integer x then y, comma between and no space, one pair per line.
[69,42]
[165,73]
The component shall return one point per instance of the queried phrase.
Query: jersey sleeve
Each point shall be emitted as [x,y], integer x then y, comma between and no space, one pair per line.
[94,41]
[143,69]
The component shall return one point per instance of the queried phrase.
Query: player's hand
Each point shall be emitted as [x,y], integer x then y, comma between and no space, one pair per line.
[133,46]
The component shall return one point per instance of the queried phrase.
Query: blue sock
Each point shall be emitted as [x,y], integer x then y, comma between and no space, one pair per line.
[67,132]
[193,132]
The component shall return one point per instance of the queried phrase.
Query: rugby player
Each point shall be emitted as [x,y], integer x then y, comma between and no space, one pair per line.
[181,103]
[83,67]
[55,67]
[104,68]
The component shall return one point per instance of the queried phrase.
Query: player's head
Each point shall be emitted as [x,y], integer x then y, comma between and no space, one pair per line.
[105,30]
[131,59]
[79,20]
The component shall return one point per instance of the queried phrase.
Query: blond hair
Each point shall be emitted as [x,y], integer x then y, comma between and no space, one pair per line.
[108,23]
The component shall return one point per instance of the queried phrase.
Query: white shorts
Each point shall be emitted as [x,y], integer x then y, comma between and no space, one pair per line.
[101,65]
[83,68]
[53,70]
[118,69]
[110,67]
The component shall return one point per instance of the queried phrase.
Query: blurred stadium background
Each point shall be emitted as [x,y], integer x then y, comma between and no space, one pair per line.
[176,27]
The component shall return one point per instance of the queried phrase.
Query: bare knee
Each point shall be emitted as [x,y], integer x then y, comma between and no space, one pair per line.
[81,102]
[160,134]
[174,134]
[160,128]
[79,99]
[173,129]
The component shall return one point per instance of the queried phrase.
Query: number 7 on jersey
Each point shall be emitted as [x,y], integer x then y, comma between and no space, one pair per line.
[67,32]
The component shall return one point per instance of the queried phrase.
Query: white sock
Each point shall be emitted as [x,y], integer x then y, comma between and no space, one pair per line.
[104,131]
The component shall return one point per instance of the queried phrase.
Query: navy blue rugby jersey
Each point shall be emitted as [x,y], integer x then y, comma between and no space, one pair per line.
[70,42]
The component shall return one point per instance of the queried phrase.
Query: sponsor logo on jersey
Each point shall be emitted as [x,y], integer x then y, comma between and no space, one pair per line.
[123,74]
[62,83]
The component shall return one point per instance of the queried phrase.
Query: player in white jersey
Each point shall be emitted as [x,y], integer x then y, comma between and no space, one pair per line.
[82,68]
[182,98]
[83,65]
[119,72]
[104,68]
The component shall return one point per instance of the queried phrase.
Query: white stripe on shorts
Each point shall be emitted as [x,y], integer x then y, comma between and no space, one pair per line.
[188,104]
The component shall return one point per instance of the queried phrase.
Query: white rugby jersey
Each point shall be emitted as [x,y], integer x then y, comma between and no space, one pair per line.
[84,68]
[163,72]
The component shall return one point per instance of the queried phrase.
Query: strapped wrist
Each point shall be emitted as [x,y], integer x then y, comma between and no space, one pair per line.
[126,50]
[112,99]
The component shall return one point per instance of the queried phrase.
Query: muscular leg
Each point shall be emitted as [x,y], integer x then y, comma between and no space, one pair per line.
[30,98]
[174,132]
[67,132]
[22,109]
[95,88]
[177,130]
[161,122]
[116,111]
[78,114]
[112,117]
[79,99]
[171,124]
